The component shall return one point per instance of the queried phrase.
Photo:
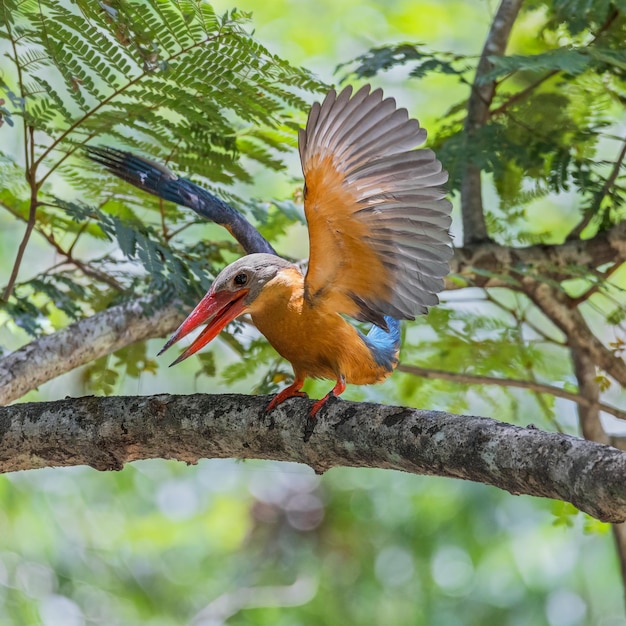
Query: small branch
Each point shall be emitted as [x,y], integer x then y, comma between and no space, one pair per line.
[474,227]
[106,433]
[68,131]
[522,93]
[32,216]
[523,320]
[601,278]
[29,168]
[597,201]
[84,267]
[474,379]
[20,83]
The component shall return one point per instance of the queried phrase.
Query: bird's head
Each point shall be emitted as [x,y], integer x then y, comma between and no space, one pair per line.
[233,291]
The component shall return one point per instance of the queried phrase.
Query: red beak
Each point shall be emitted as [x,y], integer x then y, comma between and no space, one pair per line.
[215,308]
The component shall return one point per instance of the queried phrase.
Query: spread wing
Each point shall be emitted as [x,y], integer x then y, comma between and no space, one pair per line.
[378,220]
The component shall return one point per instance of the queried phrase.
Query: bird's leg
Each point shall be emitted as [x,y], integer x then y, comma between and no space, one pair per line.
[288,392]
[338,389]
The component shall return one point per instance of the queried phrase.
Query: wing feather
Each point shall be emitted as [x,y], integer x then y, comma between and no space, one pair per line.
[378,217]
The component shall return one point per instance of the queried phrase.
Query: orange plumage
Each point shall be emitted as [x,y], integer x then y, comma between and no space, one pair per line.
[316,340]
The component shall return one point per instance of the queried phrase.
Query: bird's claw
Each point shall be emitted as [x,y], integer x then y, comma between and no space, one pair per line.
[317,406]
[279,398]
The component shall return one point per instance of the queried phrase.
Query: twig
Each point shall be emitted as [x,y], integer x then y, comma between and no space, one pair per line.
[595,288]
[475,379]
[522,94]
[83,267]
[69,258]
[32,216]
[106,101]
[489,297]
[597,201]
[29,169]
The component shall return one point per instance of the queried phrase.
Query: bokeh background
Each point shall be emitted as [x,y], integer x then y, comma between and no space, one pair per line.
[241,542]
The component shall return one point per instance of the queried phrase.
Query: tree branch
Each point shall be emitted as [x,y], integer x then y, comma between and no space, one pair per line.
[474,228]
[489,264]
[591,427]
[560,310]
[530,88]
[516,97]
[85,268]
[106,433]
[84,341]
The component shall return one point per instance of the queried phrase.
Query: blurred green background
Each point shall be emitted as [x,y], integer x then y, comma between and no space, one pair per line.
[229,542]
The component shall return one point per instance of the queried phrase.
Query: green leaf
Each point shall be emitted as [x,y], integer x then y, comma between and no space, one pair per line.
[563,513]
[567,60]
[385,58]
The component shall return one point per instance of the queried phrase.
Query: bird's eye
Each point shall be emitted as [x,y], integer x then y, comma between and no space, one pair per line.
[240,280]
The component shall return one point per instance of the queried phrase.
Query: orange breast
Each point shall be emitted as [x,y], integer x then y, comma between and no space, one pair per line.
[318,343]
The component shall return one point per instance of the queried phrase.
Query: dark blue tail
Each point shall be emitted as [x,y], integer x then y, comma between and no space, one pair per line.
[383,344]
[160,181]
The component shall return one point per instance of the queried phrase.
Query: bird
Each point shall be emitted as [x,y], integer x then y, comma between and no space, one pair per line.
[379,245]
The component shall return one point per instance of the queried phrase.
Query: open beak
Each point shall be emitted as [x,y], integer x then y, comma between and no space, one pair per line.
[215,308]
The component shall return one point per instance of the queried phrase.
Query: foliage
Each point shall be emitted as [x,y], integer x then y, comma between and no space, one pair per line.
[424,61]
[544,142]
[549,117]
[170,79]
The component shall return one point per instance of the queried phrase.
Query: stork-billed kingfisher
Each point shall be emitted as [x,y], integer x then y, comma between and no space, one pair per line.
[379,244]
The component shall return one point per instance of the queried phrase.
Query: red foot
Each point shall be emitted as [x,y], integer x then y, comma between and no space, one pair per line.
[288,392]
[338,389]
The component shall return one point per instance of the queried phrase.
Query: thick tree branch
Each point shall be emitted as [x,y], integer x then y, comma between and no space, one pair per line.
[106,433]
[591,427]
[489,264]
[84,341]
[474,228]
